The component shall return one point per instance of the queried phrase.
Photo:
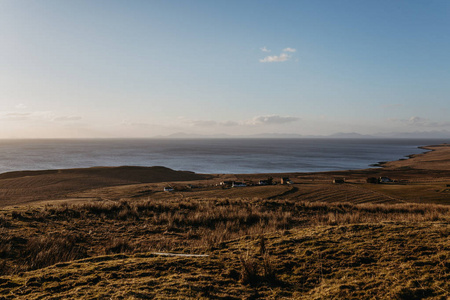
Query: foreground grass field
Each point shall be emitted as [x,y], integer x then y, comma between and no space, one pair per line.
[255,249]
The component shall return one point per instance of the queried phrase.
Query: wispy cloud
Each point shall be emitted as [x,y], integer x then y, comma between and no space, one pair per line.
[255,121]
[284,56]
[275,58]
[22,116]
[15,116]
[37,116]
[271,120]
[417,121]
[135,124]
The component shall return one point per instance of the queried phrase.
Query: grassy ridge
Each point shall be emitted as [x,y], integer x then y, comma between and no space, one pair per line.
[258,248]
[325,262]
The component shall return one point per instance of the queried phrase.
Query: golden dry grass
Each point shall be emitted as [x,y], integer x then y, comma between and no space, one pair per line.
[356,261]
[72,231]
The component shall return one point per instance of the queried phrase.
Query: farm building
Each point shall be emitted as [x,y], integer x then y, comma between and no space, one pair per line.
[268,181]
[385,180]
[238,184]
[286,180]
[339,180]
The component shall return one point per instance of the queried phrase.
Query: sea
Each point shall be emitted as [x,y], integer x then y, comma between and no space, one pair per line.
[213,156]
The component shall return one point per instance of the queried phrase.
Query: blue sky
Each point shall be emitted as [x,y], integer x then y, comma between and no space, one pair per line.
[144,68]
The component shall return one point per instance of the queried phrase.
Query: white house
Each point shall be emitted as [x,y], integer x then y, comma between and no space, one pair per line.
[238,184]
[385,179]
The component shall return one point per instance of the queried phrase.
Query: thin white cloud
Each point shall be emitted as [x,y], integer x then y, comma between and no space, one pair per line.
[275,58]
[135,124]
[37,116]
[255,121]
[288,49]
[15,116]
[21,116]
[264,49]
[417,121]
[272,120]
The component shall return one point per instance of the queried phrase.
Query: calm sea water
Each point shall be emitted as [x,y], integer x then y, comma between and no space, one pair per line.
[208,155]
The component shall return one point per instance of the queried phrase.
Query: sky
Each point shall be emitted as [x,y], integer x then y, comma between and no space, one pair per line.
[136,69]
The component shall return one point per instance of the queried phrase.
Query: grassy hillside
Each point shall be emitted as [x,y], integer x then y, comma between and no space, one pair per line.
[256,249]
[30,186]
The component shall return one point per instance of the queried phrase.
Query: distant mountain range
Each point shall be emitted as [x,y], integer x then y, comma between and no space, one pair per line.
[444,134]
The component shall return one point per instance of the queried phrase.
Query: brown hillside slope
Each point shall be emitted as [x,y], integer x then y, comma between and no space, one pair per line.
[27,186]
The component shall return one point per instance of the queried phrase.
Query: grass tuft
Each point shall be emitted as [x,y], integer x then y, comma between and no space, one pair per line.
[249,270]
[47,250]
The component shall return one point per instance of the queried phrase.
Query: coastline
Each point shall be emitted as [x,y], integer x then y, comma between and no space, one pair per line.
[115,183]
[429,148]
[436,157]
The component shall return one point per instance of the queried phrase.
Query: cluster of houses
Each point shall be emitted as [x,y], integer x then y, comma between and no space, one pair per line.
[374,180]
[284,180]
[179,188]
[235,184]
[232,184]
[382,179]
[269,181]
